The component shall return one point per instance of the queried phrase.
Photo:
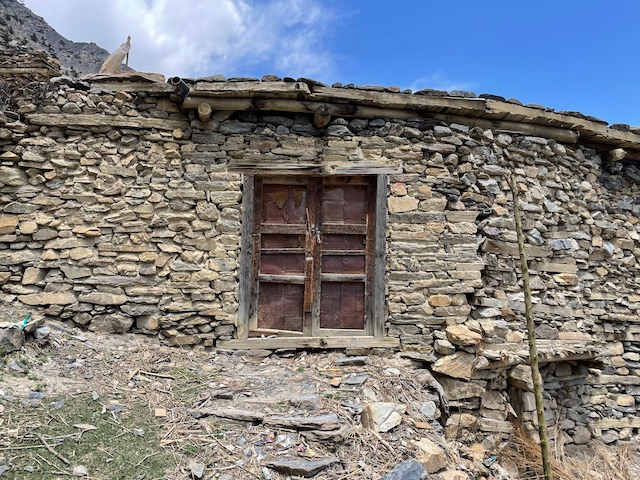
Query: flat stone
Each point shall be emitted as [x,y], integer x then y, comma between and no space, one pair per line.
[407,470]
[520,376]
[329,421]
[454,475]
[351,361]
[196,468]
[111,323]
[462,335]
[8,223]
[87,231]
[625,400]
[233,414]
[12,177]
[101,298]
[439,300]
[458,365]
[459,421]
[581,435]
[306,402]
[73,273]
[237,128]
[432,457]
[338,131]
[301,468]
[336,436]
[402,204]
[444,347]
[459,390]
[45,234]
[147,322]
[566,279]
[11,339]
[32,276]
[34,299]
[430,410]
[80,471]
[382,416]
[355,380]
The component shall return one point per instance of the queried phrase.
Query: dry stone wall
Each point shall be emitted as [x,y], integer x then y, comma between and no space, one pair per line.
[128,218]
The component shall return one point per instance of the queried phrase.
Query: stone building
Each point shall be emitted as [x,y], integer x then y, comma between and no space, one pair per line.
[282,213]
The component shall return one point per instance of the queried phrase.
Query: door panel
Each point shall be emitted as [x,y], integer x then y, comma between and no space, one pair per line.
[343,264]
[279,264]
[284,204]
[345,204]
[313,255]
[280,307]
[342,305]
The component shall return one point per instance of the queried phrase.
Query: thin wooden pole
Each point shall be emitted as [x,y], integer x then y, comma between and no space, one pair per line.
[533,350]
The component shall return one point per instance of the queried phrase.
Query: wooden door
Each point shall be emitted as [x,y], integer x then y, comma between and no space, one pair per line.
[312,264]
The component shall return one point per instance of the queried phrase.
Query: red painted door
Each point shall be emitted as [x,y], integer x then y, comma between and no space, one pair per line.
[312,263]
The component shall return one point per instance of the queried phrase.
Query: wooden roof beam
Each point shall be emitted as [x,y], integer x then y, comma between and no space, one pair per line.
[326,110]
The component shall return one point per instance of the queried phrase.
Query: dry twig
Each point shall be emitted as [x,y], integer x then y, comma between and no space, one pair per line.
[51,450]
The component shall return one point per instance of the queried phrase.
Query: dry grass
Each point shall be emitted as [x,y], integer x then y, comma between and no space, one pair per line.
[600,463]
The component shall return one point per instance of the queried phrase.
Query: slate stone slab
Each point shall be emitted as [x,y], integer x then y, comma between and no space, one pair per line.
[407,470]
[321,422]
[301,468]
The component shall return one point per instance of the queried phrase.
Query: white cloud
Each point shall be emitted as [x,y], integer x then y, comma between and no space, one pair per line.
[440,81]
[200,37]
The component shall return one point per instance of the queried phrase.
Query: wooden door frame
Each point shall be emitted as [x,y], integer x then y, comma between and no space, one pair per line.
[246,305]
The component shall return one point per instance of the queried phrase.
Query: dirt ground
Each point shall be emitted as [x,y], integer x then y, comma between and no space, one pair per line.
[79,403]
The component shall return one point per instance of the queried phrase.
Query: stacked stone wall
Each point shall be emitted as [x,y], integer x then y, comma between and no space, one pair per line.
[134,223]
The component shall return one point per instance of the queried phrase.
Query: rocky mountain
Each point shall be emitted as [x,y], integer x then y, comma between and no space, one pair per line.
[21,29]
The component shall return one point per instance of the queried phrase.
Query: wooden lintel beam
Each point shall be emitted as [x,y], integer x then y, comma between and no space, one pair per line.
[562,135]
[98,120]
[296,90]
[394,100]
[157,87]
[587,128]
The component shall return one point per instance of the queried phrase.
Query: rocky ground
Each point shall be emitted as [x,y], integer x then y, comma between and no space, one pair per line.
[76,403]
[216,414]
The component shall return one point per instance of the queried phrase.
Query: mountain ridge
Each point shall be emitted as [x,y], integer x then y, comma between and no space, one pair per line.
[23,30]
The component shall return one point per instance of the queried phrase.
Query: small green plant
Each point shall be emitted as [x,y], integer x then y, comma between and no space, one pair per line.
[40,387]
[190,449]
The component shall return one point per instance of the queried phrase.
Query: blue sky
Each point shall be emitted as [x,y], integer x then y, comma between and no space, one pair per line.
[564,54]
